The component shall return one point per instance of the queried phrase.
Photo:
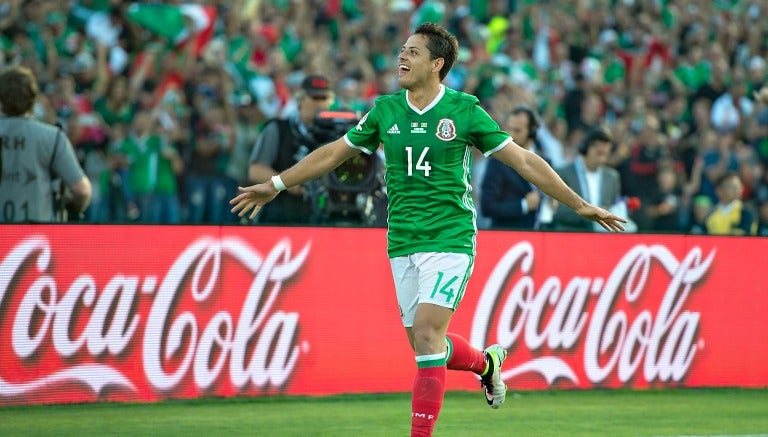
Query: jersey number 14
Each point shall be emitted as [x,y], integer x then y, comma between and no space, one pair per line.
[421,163]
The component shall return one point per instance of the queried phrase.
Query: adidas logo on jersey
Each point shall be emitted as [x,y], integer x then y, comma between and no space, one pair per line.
[393,129]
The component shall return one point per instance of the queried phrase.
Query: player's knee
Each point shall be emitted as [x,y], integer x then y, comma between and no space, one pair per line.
[428,340]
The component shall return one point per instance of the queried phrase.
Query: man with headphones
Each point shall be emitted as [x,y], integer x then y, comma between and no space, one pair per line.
[589,176]
[508,199]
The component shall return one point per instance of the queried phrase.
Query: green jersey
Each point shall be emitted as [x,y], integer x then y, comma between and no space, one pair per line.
[150,172]
[428,167]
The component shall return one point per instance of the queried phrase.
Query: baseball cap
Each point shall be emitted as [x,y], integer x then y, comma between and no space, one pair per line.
[316,85]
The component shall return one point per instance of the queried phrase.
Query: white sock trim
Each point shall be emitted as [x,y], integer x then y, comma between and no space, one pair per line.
[422,358]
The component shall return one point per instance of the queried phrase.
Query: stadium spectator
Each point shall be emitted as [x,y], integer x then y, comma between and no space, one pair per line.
[207,183]
[153,166]
[589,177]
[673,123]
[114,106]
[645,156]
[731,216]
[654,151]
[720,157]
[732,107]
[665,209]
[507,198]
[717,83]
[572,101]
[697,223]
[249,121]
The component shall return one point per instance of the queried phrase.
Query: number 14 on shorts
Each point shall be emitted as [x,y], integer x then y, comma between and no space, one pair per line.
[444,287]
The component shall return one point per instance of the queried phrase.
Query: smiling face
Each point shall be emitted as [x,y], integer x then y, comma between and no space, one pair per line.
[415,68]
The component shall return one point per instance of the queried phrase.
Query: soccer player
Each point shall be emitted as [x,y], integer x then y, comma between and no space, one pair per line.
[426,131]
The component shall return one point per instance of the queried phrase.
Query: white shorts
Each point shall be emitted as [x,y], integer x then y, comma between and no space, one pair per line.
[430,277]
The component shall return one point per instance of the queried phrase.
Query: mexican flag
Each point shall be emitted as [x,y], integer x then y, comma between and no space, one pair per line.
[177,23]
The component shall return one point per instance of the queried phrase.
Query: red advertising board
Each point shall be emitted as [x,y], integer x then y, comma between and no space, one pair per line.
[142,313]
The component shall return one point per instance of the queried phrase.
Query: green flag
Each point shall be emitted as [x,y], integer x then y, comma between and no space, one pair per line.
[161,19]
[175,22]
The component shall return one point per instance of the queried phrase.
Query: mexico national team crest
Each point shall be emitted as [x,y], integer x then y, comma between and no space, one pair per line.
[446,130]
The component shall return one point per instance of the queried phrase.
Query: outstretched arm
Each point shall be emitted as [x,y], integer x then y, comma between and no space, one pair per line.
[314,165]
[538,172]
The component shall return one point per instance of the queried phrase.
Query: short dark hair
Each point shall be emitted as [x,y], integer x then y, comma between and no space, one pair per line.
[599,133]
[533,118]
[727,177]
[441,44]
[18,90]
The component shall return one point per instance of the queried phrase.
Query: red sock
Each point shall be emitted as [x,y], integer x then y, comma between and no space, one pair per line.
[462,356]
[427,399]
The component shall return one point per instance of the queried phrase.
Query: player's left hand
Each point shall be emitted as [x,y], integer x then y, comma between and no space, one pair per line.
[252,198]
[609,222]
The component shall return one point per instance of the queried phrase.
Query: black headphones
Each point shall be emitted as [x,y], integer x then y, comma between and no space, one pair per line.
[533,119]
[584,145]
[598,133]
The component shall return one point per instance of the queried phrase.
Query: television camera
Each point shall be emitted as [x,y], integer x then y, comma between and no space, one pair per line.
[354,192]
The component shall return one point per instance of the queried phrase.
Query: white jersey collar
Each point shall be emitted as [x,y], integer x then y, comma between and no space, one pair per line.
[431,104]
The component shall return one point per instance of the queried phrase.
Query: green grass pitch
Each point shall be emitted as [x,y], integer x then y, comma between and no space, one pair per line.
[666,412]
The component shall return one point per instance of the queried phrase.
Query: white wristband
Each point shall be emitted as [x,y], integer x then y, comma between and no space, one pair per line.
[277,181]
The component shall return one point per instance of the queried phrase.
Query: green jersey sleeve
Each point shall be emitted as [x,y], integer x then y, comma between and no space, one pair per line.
[365,135]
[485,133]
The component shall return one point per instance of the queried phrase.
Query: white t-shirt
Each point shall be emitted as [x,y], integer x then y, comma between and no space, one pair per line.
[593,187]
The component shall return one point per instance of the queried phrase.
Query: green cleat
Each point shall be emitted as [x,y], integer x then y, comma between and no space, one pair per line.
[495,389]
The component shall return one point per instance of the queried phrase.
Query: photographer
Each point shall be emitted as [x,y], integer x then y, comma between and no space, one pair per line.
[281,144]
[31,153]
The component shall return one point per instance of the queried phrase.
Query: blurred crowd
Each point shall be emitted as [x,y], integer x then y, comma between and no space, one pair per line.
[164,101]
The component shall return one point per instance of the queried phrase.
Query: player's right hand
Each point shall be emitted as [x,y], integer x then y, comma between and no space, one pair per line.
[609,221]
[252,198]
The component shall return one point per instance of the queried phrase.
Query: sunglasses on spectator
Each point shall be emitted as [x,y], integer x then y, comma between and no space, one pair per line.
[319,98]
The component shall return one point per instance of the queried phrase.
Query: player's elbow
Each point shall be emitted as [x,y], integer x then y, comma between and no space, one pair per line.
[81,193]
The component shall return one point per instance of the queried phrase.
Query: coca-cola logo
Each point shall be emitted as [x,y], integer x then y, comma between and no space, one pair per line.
[259,345]
[552,320]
